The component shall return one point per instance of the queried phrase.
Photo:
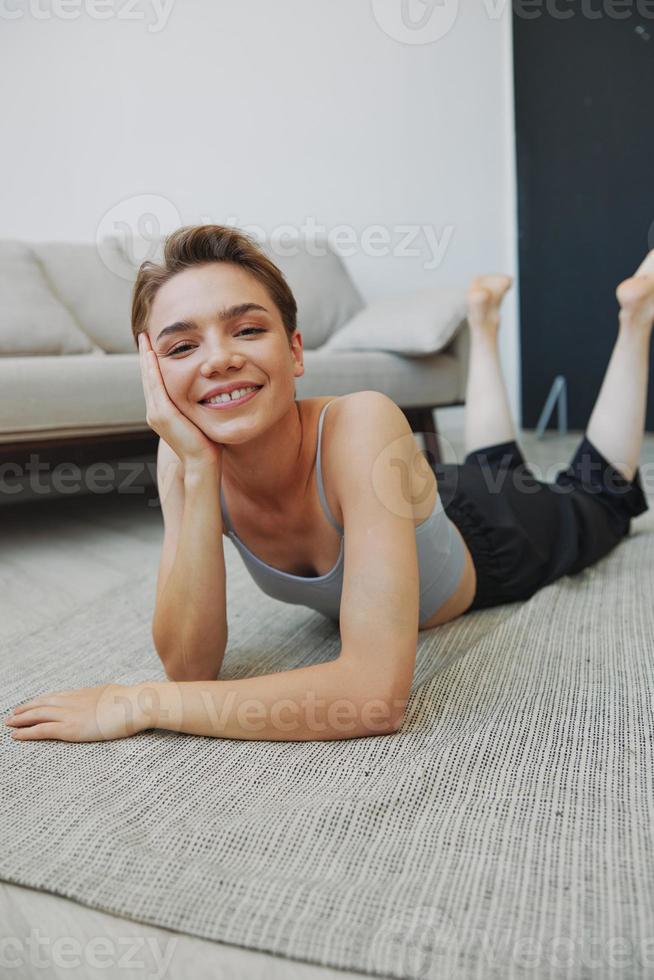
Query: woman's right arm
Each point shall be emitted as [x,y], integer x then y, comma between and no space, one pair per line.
[189,627]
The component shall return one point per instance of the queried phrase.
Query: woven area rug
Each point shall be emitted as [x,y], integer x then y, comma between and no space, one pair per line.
[505,831]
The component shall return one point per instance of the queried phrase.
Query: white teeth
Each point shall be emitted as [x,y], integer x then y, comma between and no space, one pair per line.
[232,396]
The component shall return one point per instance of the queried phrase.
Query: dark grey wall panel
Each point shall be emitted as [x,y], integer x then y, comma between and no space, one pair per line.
[584,92]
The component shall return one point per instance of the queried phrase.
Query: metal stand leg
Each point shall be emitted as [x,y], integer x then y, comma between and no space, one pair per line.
[558,396]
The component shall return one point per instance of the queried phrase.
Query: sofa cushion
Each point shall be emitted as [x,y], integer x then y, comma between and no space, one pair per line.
[410,382]
[43,396]
[416,323]
[87,394]
[99,298]
[33,320]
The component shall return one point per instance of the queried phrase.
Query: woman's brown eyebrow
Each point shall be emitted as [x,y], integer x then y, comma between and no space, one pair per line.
[227,313]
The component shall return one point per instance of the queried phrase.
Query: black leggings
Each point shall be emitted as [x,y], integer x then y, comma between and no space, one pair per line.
[523,533]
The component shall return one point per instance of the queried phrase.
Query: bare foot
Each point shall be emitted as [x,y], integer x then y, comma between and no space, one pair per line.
[636,295]
[484,297]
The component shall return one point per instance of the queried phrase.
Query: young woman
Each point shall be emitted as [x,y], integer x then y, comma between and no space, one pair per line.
[331,504]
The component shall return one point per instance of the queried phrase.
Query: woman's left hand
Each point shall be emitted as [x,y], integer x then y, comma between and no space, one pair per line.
[89,714]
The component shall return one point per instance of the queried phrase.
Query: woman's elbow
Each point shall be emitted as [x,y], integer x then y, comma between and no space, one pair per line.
[190,672]
[187,668]
[379,715]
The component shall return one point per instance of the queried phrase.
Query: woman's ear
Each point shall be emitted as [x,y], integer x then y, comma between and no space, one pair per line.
[297,353]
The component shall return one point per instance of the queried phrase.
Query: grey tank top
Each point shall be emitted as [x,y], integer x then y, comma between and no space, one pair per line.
[441,558]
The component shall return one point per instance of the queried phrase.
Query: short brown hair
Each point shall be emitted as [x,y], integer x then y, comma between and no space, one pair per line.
[198,245]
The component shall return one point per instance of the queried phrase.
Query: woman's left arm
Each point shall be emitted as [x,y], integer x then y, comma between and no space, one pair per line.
[330,700]
[365,690]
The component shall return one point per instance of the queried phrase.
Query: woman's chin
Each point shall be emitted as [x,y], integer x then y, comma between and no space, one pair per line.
[217,431]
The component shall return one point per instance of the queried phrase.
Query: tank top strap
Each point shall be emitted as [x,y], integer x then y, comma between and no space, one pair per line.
[223,507]
[321,488]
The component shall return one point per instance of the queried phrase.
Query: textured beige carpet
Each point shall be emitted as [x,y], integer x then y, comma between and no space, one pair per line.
[504,831]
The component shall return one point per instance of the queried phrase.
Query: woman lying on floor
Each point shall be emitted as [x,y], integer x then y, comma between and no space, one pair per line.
[337,510]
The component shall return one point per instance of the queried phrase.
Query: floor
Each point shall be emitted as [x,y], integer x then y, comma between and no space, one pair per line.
[58,554]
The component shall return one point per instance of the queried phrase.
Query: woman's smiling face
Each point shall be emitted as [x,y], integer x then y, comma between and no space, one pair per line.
[227,330]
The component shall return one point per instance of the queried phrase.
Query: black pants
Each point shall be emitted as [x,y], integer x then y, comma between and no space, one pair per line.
[523,533]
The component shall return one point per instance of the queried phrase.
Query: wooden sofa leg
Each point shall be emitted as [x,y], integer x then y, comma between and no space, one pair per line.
[422,420]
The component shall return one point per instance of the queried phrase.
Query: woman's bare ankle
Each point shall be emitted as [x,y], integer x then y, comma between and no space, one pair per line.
[636,298]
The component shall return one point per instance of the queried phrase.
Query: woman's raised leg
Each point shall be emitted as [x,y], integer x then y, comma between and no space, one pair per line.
[488,418]
[617,421]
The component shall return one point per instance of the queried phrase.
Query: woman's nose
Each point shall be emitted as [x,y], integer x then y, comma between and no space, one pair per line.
[219,356]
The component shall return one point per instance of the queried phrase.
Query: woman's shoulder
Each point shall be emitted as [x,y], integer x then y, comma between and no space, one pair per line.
[372,426]
[368,409]
[367,406]
[361,414]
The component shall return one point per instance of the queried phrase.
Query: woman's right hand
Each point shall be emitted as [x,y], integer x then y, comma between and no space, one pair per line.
[186,440]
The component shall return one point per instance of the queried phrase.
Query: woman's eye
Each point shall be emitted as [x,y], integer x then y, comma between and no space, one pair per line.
[183,347]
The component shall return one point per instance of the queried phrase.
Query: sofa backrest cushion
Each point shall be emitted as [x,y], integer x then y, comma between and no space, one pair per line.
[99,297]
[33,320]
[325,294]
[95,284]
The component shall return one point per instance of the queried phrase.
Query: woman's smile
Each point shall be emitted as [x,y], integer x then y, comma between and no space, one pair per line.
[232,402]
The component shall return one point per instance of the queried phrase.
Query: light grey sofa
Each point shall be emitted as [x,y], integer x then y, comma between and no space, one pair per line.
[69,374]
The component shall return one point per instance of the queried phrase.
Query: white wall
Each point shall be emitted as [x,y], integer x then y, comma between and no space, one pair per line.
[268,113]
